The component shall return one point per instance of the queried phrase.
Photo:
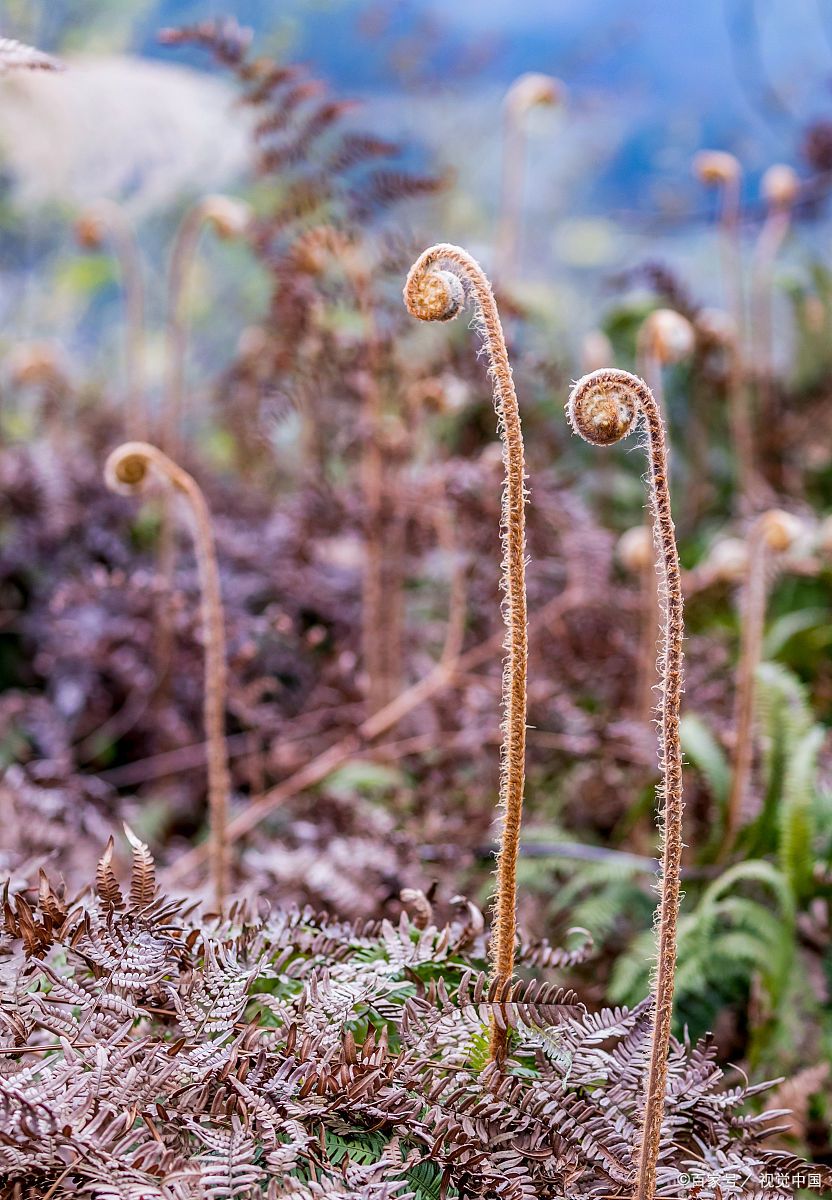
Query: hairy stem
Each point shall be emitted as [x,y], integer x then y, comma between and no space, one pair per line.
[435,291]
[603,408]
[126,470]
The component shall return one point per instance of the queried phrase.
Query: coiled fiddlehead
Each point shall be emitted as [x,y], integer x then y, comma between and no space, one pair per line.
[435,291]
[603,408]
[127,471]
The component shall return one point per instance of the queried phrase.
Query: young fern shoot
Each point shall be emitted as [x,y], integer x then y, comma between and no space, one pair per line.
[716,168]
[528,91]
[229,218]
[435,291]
[664,338]
[772,534]
[603,408]
[106,219]
[127,471]
[780,189]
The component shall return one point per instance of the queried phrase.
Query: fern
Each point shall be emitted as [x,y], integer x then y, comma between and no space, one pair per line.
[704,752]
[158,1085]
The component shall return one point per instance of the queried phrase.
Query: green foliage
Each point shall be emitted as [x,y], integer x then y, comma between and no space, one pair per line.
[703,751]
[730,937]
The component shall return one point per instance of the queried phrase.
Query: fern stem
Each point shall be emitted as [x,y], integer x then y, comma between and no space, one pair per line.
[127,470]
[105,216]
[780,189]
[435,291]
[772,533]
[718,169]
[603,408]
[665,337]
[229,218]
[528,91]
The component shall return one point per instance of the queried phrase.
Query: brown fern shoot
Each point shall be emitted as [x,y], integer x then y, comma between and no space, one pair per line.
[772,534]
[716,168]
[229,218]
[780,189]
[603,408]
[107,219]
[435,291]
[664,338]
[528,91]
[127,470]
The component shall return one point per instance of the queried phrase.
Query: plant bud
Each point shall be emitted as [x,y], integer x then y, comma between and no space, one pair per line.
[780,186]
[635,549]
[728,559]
[716,167]
[533,89]
[667,335]
[780,530]
[228,217]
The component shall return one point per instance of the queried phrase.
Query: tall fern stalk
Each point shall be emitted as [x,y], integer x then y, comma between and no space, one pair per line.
[665,338]
[773,533]
[104,219]
[229,218]
[716,168]
[603,408]
[780,189]
[126,471]
[528,91]
[435,291]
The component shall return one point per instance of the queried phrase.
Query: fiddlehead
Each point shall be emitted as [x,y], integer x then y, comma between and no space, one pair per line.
[435,291]
[603,408]
[127,471]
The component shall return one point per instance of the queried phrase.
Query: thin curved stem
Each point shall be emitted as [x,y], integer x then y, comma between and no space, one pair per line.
[603,408]
[528,91]
[650,370]
[229,218]
[772,235]
[114,219]
[739,414]
[126,470]
[434,291]
[772,534]
[182,254]
[753,621]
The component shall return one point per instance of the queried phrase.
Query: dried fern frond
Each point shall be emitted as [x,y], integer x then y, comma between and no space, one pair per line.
[145,1052]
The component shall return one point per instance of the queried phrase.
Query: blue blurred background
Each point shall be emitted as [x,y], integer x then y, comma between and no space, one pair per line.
[609,182]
